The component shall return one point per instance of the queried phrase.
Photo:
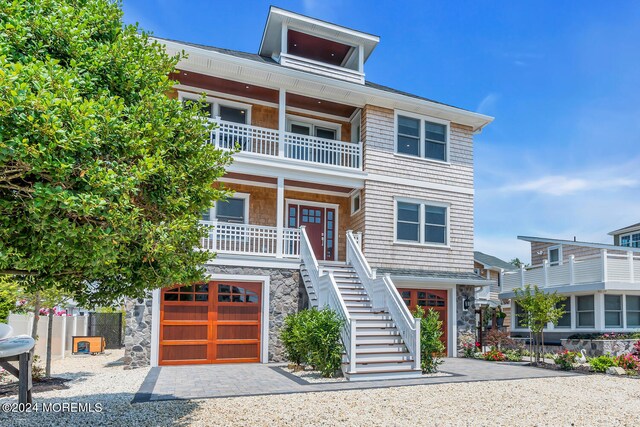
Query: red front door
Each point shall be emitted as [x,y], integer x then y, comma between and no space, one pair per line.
[313,219]
[320,225]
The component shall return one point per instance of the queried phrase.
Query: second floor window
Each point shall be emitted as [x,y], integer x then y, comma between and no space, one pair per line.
[421,138]
[233,210]
[421,223]
[630,240]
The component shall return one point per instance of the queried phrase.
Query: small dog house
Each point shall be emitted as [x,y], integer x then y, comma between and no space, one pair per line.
[88,345]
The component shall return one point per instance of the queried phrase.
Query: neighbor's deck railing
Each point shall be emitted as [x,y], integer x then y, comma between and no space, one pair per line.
[271,142]
[248,239]
[606,267]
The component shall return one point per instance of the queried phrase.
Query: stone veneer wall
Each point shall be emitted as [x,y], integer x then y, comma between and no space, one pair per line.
[594,348]
[287,295]
[466,320]
[137,338]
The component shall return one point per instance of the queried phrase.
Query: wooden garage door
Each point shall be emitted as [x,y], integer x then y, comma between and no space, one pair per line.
[215,322]
[429,298]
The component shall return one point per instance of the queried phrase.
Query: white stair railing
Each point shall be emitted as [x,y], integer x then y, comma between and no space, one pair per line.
[384,295]
[326,289]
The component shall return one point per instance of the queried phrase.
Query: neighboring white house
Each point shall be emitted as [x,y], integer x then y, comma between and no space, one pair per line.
[601,283]
[348,194]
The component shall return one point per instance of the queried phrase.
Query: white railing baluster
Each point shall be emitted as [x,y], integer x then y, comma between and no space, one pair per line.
[384,295]
[250,239]
[328,294]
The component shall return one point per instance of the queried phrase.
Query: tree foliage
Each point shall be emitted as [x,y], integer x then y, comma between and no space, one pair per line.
[539,308]
[102,175]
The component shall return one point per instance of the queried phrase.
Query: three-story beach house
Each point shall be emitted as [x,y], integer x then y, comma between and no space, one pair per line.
[348,194]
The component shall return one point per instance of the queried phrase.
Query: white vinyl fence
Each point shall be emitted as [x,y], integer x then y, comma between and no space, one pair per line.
[64,327]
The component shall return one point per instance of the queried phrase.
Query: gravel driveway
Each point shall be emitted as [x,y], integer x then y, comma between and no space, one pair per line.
[578,400]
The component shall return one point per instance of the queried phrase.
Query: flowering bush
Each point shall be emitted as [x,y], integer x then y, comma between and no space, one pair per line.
[636,348]
[565,359]
[469,344]
[628,362]
[56,312]
[495,355]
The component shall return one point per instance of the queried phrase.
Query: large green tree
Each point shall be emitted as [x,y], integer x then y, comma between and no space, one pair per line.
[102,175]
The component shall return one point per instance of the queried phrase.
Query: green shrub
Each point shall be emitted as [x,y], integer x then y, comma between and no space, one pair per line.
[565,359]
[601,363]
[513,355]
[431,346]
[313,337]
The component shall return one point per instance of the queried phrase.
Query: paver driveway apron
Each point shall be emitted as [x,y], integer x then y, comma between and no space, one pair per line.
[212,381]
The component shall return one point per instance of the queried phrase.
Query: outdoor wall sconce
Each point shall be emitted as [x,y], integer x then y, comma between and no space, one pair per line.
[466,304]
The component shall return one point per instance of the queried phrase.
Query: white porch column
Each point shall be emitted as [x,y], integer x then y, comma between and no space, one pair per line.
[280,217]
[282,120]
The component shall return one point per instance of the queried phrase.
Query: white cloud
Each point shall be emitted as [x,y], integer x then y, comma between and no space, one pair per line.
[323,9]
[560,185]
[488,103]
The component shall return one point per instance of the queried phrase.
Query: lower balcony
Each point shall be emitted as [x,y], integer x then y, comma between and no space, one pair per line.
[251,240]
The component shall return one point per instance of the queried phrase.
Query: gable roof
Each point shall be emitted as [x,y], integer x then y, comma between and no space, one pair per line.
[491,261]
[633,227]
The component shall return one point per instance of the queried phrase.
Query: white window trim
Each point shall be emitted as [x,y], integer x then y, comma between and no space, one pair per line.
[630,236]
[421,226]
[421,147]
[621,311]
[594,310]
[313,124]
[217,102]
[354,194]
[245,196]
[551,248]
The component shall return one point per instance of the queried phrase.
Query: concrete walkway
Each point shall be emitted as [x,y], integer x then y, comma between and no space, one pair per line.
[232,380]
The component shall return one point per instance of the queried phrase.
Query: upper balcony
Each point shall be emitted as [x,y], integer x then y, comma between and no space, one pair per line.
[265,142]
[600,272]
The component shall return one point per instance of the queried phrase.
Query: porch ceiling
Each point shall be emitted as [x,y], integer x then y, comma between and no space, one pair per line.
[265,181]
[216,84]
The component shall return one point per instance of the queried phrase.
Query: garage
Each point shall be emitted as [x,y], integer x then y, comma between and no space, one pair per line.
[429,298]
[214,322]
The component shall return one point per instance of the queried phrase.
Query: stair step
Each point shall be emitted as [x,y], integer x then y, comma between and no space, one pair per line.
[372,316]
[348,298]
[382,374]
[374,324]
[380,365]
[373,333]
[359,292]
[380,349]
[340,280]
[351,303]
[376,340]
[383,358]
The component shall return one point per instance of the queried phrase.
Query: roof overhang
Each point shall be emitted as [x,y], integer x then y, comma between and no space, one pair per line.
[575,243]
[629,229]
[277,18]
[427,280]
[274,76]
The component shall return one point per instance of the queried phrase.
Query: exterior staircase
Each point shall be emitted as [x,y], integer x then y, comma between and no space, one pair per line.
[380,351]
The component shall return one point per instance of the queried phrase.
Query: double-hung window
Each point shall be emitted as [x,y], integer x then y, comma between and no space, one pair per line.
[422,137]
[633,311]
[585,311]
[630,240]
[565,320]
[234,210]
[421,222]
[613,311]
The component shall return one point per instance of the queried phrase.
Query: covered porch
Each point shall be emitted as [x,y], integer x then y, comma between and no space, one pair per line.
[264,216]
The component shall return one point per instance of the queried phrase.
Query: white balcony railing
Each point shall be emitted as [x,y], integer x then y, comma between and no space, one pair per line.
[606,267]
[248,239]
[270,142]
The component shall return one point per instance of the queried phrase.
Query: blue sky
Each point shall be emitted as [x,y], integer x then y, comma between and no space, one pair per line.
[562,79]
